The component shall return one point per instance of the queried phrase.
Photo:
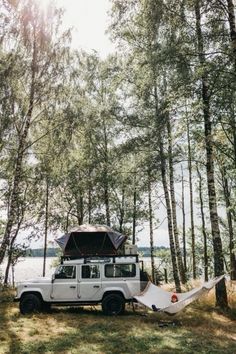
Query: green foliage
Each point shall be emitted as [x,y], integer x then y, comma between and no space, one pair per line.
[94,136]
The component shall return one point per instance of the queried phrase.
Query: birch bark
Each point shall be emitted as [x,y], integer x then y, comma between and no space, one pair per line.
[221,294]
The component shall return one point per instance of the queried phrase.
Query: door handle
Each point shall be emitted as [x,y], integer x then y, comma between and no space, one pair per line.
[72,286]
[96,286]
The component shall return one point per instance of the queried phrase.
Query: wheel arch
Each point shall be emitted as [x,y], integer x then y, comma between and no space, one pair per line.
[33,292]
[111,292]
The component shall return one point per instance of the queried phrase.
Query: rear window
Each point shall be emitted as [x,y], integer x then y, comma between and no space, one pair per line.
[120,270]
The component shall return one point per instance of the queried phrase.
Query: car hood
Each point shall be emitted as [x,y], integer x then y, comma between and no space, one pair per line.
[37,280]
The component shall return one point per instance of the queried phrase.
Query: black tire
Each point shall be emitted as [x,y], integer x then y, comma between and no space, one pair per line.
[113,304]
[46,306]
[30,303]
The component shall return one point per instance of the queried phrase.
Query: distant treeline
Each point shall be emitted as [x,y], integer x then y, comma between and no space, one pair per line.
[145,251]
[53,252]
[38,252]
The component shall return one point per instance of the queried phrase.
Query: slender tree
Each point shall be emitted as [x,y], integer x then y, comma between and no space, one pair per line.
[191,201]
[151,226]
[173,204]
[46,226]
[184,221]
[204,233]
[228,205]
[221,294]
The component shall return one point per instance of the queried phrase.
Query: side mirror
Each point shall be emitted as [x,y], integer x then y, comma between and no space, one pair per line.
[53,278]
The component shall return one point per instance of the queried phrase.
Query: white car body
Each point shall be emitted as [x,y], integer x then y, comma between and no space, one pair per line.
[86,281]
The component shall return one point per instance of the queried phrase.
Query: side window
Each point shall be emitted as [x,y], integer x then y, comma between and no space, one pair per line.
[120,270]
[65,272]
[90,271]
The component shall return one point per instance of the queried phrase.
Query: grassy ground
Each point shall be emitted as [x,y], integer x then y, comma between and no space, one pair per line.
[197,329]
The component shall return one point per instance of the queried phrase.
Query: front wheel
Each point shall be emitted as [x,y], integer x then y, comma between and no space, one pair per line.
[30,303]
[46,306]
[113,304]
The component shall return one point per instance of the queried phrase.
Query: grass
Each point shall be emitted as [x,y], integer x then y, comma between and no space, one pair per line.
[200,328]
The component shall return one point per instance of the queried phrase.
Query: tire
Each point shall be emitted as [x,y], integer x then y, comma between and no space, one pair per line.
[30,303]
[46,306]
[113,304]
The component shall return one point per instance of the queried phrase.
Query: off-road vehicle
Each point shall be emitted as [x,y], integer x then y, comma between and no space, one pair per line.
[110,281]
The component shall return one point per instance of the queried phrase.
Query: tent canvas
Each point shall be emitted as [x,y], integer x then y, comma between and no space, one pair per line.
[91,240]
[159,300]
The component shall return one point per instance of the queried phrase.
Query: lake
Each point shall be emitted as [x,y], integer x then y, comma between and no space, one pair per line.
[32,267]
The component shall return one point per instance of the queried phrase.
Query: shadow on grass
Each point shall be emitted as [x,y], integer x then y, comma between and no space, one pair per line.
[98,335]
[87,330]
[129,333]
[13,343]
[230,313]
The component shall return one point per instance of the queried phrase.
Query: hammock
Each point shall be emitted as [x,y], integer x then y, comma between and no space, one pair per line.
[160,300]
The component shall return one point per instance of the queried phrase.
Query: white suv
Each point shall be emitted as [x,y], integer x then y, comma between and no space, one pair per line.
[111,281]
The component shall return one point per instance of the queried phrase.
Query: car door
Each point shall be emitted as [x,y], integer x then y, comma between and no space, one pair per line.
[65,285]
[90,282]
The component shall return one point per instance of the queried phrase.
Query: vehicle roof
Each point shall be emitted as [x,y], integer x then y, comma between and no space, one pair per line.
[107,260]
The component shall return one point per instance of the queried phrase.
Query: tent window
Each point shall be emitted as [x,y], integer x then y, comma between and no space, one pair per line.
[120,270]
[90,271]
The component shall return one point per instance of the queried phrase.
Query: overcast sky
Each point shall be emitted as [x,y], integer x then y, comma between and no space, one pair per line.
[90,20]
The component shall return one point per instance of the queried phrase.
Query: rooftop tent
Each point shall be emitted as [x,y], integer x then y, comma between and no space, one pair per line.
[91,240]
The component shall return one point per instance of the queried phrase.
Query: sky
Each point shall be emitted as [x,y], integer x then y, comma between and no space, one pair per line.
[90,20]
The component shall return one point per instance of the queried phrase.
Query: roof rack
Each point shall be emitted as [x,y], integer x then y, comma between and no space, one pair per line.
[105,258]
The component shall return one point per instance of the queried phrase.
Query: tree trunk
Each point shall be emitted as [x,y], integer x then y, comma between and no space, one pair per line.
[68,219]
[134,212]
[233,125]
[232,26]
[191,201]
[184,223]
[230,224]
[203,226]
[6,276]
[173,204]
[221,294]
[169,218]
[13,275]
[151,227]
[167,197]
[106,182]
[122,210]
[107,204]
[10,250]
[12,214]
[80,208]
[89,205]
[46,228]
[90,188]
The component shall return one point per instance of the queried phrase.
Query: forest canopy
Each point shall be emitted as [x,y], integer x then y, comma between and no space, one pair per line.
[107,141]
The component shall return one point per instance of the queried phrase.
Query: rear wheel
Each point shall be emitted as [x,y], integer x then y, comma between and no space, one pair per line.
[113,304]
[30,303]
